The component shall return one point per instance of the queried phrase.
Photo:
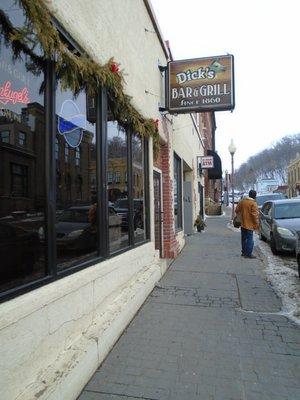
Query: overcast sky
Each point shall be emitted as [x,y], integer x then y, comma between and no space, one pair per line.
[263,36]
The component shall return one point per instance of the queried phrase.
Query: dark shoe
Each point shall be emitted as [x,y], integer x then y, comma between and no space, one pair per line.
[249,256]
[243,255]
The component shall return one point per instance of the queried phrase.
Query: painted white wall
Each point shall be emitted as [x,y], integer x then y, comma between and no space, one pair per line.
[53,338]
[117,29]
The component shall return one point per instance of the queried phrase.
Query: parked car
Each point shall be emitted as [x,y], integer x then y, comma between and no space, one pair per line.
[262,198]
[297,250]
[279,219]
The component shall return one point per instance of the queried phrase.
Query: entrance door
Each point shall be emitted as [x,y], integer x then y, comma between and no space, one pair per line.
[201,198]
[157,211]
[188,208]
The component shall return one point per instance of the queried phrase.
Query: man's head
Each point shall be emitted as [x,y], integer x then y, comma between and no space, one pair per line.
[252,194]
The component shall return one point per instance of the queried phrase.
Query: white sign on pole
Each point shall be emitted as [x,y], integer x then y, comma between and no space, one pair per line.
[207,162]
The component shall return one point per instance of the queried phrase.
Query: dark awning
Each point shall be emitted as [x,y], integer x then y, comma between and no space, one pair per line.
[216,171]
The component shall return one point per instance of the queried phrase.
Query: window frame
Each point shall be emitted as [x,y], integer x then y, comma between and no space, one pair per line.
[7,137]
[22,141]
[178,162]
[50,162]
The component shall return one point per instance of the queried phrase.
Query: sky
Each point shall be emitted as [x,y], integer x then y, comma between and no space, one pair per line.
[263,37]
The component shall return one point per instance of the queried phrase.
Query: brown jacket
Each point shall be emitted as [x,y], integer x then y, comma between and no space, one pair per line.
[248,210]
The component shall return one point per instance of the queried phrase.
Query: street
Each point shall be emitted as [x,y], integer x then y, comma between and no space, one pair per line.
[212,329]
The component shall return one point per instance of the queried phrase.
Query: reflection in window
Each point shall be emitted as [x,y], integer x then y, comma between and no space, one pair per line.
[138,168]
[77,156]
[117,192]
[22,178]
[117,177]
[22,139]
[109,177]
[56,149]
[5,136]
[66,153]
[19,180]
[76,225]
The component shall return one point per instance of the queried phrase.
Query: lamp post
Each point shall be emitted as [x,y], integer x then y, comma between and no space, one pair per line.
[226,200]
[232,150]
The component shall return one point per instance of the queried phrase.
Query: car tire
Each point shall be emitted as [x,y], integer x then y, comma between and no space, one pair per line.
[273,245]
[262,237]
[298,262]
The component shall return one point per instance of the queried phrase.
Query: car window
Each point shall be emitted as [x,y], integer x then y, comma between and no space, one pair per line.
[287,210]
[260,200]
[266,208]
[74,216]
[123,203]
[112,211]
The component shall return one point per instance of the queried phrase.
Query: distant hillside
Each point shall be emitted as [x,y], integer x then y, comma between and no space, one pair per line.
[270,163]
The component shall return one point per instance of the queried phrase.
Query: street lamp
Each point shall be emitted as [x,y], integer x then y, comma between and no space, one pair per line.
[232,150]
[226,200]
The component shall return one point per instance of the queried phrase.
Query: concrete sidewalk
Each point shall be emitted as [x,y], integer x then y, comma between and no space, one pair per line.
[210,330]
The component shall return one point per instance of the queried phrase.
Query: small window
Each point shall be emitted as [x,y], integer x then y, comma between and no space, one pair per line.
[4,136]
[22,139]
[110,177]
[19,180]
[66,153]
[77,156]
[117,177]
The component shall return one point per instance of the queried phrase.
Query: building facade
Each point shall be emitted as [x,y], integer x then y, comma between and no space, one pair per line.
[89,215]
[293,173]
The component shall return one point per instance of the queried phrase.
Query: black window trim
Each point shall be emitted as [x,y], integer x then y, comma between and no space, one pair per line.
[179,228]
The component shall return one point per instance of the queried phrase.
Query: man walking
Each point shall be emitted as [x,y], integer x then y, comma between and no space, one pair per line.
[248,210]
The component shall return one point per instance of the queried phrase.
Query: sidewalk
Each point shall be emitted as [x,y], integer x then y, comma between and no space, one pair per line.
[210,330]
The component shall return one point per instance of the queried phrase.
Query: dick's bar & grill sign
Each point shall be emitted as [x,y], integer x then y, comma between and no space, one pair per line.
[202,84]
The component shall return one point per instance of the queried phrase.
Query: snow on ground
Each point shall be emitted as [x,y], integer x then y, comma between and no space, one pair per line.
[281,272]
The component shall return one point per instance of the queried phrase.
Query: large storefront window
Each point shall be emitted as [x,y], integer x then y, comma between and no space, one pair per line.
[177,193]
[117,187]
[76,207]
[22,156]
[71,192]
[138,168]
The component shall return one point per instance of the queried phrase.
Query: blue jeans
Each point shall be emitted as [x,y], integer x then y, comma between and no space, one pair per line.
[247,241]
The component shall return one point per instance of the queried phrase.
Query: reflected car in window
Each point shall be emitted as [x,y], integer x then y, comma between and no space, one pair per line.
[121,207]
[278,222]
[76,227]
[19,250]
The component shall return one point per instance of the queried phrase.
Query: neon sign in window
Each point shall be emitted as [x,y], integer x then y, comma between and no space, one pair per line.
[7,95]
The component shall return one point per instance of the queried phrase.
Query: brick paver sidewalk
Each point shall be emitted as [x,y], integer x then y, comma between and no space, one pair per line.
[210,330]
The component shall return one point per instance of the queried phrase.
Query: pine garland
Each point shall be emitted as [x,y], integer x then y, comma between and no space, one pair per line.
[76,72]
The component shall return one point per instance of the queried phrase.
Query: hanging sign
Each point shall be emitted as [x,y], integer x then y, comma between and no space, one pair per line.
[207,162]
[202,84]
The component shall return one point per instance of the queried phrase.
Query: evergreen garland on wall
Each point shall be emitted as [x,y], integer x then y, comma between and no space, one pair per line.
[76,72]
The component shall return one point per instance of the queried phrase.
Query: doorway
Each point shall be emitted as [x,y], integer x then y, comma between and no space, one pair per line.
[157,211]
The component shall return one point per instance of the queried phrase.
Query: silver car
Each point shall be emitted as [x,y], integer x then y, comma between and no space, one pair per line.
[297,250]
[278,223]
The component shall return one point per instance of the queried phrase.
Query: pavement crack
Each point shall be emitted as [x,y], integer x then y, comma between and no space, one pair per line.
[124,396]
